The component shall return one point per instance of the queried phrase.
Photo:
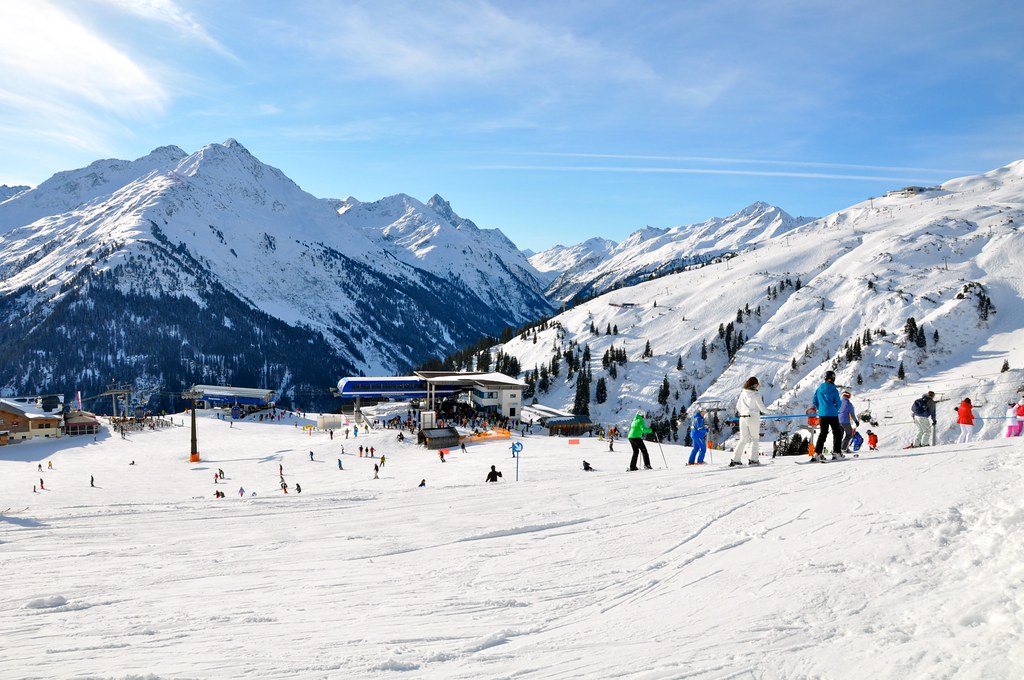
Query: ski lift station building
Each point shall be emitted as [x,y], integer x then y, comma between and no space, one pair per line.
[494,392]
[213,396]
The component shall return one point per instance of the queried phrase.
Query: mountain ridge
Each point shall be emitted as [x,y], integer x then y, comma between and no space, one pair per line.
[242,246]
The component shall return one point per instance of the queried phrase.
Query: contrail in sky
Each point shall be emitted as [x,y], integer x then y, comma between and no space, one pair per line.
[704,171]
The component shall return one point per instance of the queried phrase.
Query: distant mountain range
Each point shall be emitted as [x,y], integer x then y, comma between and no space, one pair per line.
[212,267]
[599,265]
[178,268]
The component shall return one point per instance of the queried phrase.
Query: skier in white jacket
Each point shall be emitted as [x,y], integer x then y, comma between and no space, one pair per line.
[750,407]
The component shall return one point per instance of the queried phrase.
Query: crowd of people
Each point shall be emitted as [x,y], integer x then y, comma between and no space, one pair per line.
[838,421]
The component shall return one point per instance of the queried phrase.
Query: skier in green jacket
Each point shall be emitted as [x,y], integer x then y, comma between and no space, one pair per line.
[636,439]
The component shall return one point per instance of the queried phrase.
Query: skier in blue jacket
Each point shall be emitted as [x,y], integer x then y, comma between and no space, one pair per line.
[698,433]
[827,402]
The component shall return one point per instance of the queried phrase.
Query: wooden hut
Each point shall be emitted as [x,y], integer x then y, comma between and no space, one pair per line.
[568,426]
[80,422]
[438,437]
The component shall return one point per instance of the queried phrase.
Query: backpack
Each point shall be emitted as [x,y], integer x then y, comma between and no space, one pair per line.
[858,441]
[920,407]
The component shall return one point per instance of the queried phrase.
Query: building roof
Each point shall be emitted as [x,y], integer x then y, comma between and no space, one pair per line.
[567,420]
[27,411]
[471,379]
[229,394]
[76,417]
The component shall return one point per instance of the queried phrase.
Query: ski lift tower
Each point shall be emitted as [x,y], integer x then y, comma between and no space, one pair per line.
[193,395]
[712,405]
[114,391]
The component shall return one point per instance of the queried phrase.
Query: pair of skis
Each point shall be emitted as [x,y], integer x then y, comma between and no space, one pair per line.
[852,456]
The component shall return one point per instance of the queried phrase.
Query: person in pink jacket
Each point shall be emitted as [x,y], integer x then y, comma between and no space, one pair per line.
[965,418]
[1011,419]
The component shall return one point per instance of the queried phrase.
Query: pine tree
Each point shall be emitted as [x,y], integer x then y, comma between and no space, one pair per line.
[664,391]
[703,350]
[792,363]
[679,363]
[1006,366]
[483,361]
[919,338]
[901,373]
[693,394]
[608,330]
[613,372]
[647,351]
[935,336]
[615,329]
[910,329]
[601,391]
[581,404]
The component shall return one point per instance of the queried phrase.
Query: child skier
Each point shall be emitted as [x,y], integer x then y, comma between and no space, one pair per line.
[698,433]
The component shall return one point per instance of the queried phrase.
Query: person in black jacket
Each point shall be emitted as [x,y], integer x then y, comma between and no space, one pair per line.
[923,410]
[493,475]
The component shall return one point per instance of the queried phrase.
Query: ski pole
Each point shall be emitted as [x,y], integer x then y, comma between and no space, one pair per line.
[658,439]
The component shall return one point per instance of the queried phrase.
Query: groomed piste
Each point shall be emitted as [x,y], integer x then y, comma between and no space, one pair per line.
[901,564]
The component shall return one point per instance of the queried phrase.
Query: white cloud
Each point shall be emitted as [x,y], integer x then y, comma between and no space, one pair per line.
[170,13]
[59,79]
[431,45]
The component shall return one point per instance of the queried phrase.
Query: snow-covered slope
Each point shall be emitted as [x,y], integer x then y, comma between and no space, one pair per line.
[70,189]
[136,250]
[834,293]
[652,252]
[898,565]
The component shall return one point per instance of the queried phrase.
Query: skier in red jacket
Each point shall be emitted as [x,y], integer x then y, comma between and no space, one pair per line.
[965,418]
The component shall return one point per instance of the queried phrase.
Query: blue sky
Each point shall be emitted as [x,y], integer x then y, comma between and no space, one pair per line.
[553,121]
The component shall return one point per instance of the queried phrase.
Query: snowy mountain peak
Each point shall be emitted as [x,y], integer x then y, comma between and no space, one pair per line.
[9,191]
[444,209]
[168,152]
